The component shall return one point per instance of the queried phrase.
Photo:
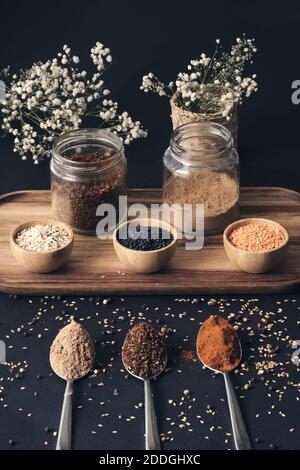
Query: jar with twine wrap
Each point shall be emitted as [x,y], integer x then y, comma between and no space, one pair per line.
[183,116]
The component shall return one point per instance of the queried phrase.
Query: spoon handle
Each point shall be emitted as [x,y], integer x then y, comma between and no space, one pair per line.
[65,425]
[151,435]
[240,435]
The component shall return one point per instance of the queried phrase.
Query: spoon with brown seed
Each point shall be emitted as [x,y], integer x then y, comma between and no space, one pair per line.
[219,349]
[144,356]
[72,356]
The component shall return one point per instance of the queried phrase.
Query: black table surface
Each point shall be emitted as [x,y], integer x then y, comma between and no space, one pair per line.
[190,401]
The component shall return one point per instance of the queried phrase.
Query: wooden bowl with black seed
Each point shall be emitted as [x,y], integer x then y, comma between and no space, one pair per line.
[41,261]
[146,261]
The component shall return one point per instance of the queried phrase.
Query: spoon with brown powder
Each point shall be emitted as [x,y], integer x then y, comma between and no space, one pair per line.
[72,356]
[145,357]
[219,349]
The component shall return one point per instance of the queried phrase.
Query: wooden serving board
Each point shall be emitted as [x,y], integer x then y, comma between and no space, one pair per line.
[95,269]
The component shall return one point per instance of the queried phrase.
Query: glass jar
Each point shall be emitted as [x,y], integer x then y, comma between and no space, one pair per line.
[202,167]
[88,168]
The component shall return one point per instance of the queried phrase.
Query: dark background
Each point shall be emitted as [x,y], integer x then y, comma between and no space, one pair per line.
[162,36]
[158,36]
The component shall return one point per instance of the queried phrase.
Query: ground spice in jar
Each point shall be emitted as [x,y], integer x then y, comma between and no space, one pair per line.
[72,352]
[144,238]
[257,237]
[75,201]
[42,237]
[144,351]
[218,193]
[218,345]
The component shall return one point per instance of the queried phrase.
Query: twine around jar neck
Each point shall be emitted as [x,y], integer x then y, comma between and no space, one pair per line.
[212,116]
[201,143]
[78,141]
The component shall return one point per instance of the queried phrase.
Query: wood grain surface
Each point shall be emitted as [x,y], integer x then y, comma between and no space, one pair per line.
[95,269]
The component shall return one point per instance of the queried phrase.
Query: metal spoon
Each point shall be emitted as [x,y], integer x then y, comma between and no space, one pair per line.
[64,438]
[152,441]
[240,435]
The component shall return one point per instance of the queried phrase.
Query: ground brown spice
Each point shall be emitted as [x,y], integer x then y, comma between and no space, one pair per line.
[218,345]
[187,355]
[72,352]
[218,192]
[144,351]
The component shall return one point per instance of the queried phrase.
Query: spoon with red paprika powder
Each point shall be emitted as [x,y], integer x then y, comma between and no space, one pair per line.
[219,349]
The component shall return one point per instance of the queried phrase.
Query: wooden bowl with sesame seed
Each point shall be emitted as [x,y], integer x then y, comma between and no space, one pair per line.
[47,260]
[256,245]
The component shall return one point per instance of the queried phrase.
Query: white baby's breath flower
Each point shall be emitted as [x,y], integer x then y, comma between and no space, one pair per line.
[50,98]
[200,89]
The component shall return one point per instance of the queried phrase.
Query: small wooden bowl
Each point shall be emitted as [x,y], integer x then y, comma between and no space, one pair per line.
[146,261]
[42,261]
[255,261]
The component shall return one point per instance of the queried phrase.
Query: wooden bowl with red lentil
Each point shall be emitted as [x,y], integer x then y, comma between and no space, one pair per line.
[255,245]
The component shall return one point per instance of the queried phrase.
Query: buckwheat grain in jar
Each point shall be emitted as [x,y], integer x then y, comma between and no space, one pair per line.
[202,167]
[88,168]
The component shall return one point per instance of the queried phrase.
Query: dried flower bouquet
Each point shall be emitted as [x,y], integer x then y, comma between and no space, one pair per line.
[211,88]
[51,98]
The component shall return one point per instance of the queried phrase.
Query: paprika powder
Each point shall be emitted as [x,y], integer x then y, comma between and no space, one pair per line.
[218,345]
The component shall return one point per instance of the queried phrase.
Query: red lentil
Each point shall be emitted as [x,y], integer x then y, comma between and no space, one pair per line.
[257,237]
